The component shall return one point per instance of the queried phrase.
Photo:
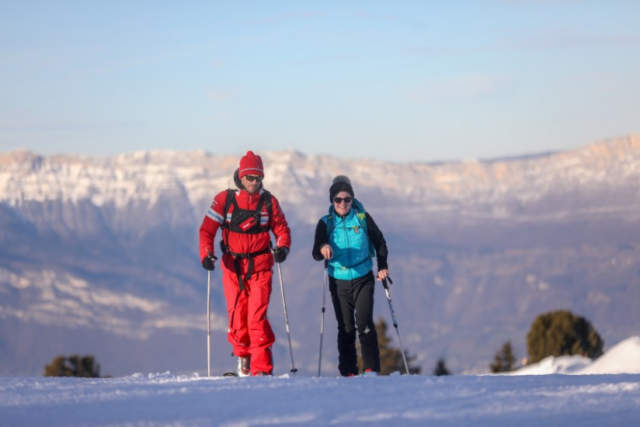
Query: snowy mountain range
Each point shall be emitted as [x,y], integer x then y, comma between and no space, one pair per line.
[99,255]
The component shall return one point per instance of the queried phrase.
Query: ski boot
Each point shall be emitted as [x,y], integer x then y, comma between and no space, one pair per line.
[244,366]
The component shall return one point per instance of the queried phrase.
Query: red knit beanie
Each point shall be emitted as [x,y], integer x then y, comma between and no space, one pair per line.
[250,164]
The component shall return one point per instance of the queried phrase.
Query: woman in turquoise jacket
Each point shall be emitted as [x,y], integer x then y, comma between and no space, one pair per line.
[347,238]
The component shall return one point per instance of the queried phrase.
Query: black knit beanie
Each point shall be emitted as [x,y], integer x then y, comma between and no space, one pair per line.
[340,183]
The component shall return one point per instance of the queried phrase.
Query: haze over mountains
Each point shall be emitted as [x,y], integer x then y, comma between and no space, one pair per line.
[99,255]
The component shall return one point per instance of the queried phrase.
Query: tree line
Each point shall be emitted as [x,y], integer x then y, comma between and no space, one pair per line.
[557,333]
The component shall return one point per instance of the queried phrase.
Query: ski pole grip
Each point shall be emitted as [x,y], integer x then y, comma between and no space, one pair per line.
[326,263]
[384,283]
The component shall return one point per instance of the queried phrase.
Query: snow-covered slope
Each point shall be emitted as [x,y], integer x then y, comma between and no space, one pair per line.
[167,400]
[622,358]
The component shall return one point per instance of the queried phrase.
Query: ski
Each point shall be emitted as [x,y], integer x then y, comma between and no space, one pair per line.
[229,374]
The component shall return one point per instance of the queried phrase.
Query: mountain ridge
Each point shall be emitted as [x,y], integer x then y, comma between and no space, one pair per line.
[147,175]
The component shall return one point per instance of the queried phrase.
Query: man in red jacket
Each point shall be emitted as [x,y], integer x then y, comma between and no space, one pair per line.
[246,216]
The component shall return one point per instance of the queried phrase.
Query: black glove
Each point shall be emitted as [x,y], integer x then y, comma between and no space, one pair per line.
[280,254]
[208,263]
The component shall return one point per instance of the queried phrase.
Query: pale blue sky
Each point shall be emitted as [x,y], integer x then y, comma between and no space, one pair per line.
[395,80]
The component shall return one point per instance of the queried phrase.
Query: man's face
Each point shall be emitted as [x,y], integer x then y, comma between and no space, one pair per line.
[251,183]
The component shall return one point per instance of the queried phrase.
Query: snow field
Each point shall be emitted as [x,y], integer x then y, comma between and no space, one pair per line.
[167,400]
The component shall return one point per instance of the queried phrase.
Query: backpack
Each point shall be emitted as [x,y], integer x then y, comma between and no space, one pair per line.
[251,223]
[247,223]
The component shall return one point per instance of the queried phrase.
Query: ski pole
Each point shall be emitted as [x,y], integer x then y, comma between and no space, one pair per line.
[209,326]
[209,315]
[395,322]
[324,293]
[286,317]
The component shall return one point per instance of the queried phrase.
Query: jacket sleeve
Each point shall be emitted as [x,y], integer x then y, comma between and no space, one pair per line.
[279,225]
[376,237]
[210,224]
[321,239]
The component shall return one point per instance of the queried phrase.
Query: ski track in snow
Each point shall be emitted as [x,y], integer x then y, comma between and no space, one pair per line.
[167,400]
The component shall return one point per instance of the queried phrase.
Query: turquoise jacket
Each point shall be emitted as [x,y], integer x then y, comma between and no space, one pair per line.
[350,244]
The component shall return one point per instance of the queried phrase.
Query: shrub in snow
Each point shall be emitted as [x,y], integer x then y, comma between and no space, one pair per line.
[73,366]
[562,333]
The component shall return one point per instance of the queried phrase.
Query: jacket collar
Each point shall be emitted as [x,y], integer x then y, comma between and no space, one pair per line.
[244,194]
[356,207]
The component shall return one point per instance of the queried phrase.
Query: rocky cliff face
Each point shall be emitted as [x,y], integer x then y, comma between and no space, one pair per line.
[107,247]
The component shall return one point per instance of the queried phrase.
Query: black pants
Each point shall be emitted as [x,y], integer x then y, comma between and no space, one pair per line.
[353,304]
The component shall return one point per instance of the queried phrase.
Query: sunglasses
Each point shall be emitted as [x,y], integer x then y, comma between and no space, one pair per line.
[252,178]
[339,200]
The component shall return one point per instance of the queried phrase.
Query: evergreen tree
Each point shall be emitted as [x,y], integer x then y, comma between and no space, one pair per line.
[504,359]
[73,366]
[391,357]
[560,333]
[57,368]
[441,368]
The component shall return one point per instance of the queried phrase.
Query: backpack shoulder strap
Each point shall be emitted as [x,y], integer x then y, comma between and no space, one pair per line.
[361,214]
[330,222]
[231,198]
[266,198]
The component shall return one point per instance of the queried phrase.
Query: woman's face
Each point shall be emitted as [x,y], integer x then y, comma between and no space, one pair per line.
[344,206]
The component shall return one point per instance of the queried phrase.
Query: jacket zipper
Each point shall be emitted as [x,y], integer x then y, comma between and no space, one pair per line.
[346,234]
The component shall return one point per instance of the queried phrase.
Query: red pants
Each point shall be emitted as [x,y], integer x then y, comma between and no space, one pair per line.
[250,333]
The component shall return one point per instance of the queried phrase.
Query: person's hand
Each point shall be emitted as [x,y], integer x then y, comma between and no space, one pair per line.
[208,262]
[280,254]
[326,251]
[383,274]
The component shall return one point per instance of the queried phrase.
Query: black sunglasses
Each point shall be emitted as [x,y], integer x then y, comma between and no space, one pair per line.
[339,200]
[252,178]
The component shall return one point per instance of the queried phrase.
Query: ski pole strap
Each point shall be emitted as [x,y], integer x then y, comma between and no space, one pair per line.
[236,263]
[384,282]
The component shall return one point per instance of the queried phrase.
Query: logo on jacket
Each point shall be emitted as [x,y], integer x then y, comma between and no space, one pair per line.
[356,229]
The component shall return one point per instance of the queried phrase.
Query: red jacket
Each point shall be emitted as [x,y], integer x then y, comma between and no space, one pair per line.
[241,242]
